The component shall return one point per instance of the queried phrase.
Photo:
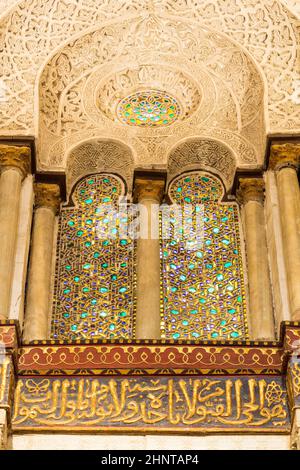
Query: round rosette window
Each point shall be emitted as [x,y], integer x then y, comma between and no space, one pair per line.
[149,109]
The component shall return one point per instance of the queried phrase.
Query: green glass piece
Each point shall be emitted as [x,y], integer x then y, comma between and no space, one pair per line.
[175,312]
[176,335]
[89,201]
[234,334]
[71,223]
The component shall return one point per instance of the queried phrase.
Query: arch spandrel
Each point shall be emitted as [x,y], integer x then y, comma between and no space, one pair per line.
[99,155]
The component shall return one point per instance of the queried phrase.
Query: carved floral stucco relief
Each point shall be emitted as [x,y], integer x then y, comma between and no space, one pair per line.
[217,84]
[266,29]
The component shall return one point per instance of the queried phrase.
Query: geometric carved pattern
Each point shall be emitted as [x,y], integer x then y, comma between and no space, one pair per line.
[99,155]
[203,154]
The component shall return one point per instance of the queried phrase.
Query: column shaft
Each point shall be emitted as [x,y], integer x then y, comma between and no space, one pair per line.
[148,280]
[148,193]
[260,294]
[40,269]
[10,188]
[289,203]
[39,281]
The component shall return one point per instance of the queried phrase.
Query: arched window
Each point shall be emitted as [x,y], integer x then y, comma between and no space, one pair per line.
[94,286]
[203,292]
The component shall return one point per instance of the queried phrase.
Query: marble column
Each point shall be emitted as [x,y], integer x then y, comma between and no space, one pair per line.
[15,164]
[47,200]
[285,160]
[251,195]
[148,193]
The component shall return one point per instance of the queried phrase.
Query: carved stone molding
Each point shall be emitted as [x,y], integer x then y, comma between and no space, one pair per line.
[15,157]
[284,155]
[47,195]
[251,189]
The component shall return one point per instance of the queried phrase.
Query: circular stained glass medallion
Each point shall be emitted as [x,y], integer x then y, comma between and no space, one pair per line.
[149,109]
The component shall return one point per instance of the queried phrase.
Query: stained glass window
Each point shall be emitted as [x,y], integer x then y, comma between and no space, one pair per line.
[203,294]
[149,108]
[94,287]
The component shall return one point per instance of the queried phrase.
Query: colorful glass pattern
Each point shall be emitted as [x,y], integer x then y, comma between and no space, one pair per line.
[149,108]
[94,288]
[203,294]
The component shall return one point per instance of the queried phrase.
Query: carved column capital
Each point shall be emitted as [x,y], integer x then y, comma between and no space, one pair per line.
[147,188]
[47,195]
[251,189]
[285,155]
[15,157]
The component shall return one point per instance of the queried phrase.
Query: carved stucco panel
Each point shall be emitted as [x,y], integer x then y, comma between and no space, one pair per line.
[253,24]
